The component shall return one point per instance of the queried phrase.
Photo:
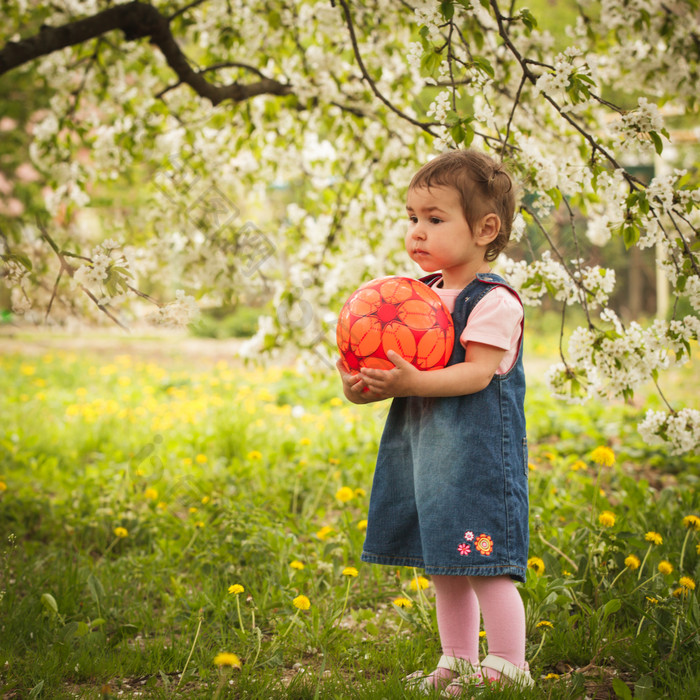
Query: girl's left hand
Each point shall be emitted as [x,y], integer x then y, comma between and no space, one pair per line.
[387,383]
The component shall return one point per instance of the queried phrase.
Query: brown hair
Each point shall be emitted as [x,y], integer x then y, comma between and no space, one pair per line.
[484,187]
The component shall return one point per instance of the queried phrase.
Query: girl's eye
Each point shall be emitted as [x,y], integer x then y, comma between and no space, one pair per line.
[435,220]
[413,219]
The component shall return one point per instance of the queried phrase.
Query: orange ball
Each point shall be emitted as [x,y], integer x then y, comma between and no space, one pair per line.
[394,313]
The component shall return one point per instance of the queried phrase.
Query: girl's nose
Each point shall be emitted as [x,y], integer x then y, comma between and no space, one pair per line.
[417,231]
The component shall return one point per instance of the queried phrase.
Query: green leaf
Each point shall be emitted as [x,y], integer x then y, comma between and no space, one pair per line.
[621,689]
[528,20]
[96,589]
[644,689]
[483,65]
[49,602]
[34,692]
[611,607]
[658,144]
[630,235]
[447,9]
[555,196]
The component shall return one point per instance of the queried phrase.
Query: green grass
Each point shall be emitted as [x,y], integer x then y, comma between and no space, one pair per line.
[220,476]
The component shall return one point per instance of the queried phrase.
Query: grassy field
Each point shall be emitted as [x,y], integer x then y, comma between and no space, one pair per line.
[176,525]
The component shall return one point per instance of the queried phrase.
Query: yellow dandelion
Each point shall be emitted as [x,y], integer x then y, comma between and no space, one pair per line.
[604,456]
[324,532]
[193,510]
[632,562]
[577,465]
[305,441]
[687,582]
[566,574]
[302,602]
[345,494]
[536,564]
[360,493]
[551,676]
[692,521]
[151,494]
[545,623]
[121,532]
[199,523]
[606,518]
[335,402]
[665,567]
[350,571]
[482,634]
[652,601]
[201,459]
[254,455]
[402,602]
[3,486]
[680,592]
[362,525]
[296,564]
[236,589]
[531,467]
[226,659]
[162,505]
[697,548]
[205,500]
[333,460]
[653,537]
[419,582]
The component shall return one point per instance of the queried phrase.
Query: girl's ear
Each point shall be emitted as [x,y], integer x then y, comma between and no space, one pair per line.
[487,229]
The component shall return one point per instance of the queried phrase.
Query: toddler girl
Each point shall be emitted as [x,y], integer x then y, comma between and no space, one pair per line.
[450,492]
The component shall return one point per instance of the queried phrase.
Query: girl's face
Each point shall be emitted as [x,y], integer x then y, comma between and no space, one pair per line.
[439,237]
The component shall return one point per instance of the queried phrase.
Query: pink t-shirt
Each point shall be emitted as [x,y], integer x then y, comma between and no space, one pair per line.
[496,320]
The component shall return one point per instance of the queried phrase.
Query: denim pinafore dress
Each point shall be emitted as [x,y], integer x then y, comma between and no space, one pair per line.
[450,489]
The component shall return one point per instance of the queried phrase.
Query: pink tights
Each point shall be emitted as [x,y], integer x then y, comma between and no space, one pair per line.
[461,599]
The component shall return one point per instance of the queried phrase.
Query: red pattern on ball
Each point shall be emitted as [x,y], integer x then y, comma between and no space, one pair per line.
[394,313]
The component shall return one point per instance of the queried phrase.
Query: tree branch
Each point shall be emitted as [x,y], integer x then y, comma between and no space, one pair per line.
[137,20]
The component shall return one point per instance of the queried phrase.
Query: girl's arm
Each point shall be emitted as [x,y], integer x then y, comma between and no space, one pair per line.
[474,374]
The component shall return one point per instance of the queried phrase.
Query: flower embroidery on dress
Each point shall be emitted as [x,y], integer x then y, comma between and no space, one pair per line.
[484,545]
[464,549]
[469,535]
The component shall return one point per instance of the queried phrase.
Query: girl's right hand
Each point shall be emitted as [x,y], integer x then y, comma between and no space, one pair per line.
[354,386]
